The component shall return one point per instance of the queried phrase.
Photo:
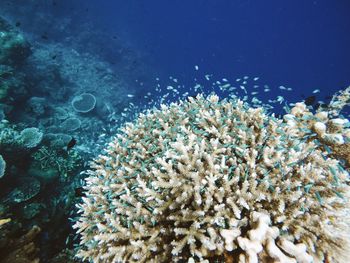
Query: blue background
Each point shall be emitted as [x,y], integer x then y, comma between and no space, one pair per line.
[300,44]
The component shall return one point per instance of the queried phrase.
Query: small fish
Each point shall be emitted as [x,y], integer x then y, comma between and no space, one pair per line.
[278,115]
[196,87]
[207,77]
[18,24]
[44,36]
[280,99]
[310,100]
[243,88]
[71,143]
[316,91]
[196,67]
[79,192]
[320,106]
[226,85]
[130,95]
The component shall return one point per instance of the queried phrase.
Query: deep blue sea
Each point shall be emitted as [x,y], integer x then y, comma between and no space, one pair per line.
[299,44]
[121,57]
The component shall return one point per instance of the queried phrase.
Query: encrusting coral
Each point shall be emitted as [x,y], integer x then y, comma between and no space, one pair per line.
[204,180]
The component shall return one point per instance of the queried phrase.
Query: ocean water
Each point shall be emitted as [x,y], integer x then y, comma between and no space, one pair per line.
[299,44]
[129,56]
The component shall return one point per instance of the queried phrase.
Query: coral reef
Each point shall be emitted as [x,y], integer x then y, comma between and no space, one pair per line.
[27,188]
[37,105]
[205,179]
[5,73]
[14,48]
[51,159]
[37,120]
[8,135]
[16,145]
[65,256]
[84,103]
[339,101]
[14,51]
[11,85]
[74,73]
[30,137]
[71,124]
[32,209]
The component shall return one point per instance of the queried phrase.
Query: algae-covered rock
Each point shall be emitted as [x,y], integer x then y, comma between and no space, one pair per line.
[37,105]
[57,140]
[6,73]
[44,175]
[12,84]
[31,210]
[26,188]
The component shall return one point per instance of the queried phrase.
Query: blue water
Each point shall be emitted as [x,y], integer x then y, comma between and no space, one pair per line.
[300,44]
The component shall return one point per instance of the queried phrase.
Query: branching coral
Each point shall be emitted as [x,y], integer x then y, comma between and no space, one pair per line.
[205,179]
[64,162]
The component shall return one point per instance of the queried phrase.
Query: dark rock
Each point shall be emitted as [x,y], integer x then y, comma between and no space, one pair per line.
[14,49]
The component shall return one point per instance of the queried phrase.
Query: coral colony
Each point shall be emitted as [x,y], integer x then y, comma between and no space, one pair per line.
[210,180]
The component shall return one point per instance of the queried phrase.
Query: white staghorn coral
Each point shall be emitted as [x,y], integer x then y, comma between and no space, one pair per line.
[205,179]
